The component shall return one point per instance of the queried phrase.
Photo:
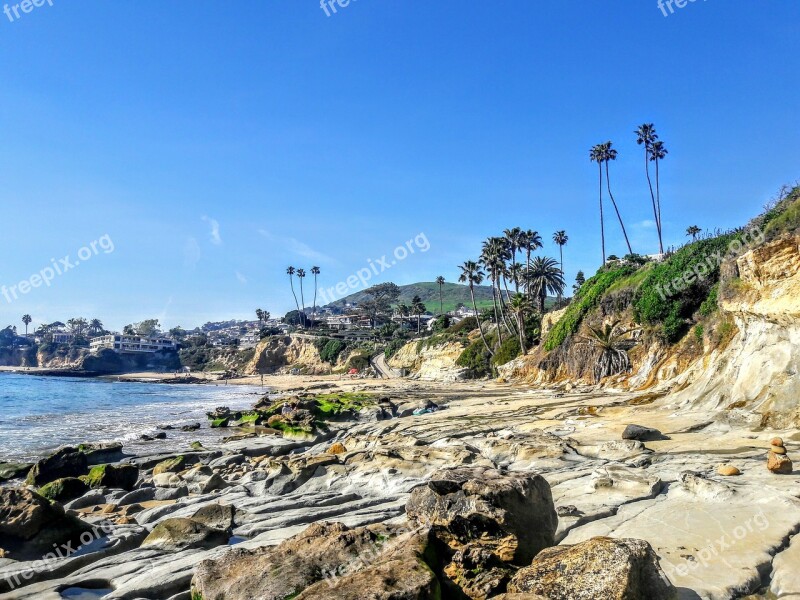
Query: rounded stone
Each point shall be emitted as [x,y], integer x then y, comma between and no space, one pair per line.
[728,470]
[776,442]
[778,449]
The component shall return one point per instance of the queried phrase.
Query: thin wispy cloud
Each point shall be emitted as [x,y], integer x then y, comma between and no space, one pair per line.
[216,239]
[296,247]
[191,252]
[242,279]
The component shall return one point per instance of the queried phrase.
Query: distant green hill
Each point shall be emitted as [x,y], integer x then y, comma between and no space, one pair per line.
[453,294]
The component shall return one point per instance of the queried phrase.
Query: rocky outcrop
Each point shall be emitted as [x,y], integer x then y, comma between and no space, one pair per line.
[327,560]
[511,513]
[66,462]
[29,523]
[610,569]
[430,363]
[278,352]
[183,534]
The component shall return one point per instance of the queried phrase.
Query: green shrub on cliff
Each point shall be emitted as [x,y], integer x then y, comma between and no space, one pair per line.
[676,288]
[586,299]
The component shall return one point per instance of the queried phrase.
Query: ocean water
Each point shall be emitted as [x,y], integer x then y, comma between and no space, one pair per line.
[39,414]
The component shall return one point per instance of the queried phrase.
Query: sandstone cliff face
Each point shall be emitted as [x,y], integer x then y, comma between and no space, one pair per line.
[434,363]
[285,352]
[754,372]
[758,370]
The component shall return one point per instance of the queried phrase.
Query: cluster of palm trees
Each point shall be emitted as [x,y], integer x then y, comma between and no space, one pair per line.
[654,151]
[78,326]
[301,275]
[417,307]
[536,277]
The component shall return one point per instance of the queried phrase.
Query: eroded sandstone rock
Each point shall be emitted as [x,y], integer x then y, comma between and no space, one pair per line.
[606,568]
[511,513]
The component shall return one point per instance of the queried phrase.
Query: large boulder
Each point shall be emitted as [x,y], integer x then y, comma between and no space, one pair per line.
[606,568]
[642,434]
[64,490]
[13,470]
[175,464]
[123,477]
[182,534]
[65,462]
[327,560]
[30,523]
[97,454]
[511,514]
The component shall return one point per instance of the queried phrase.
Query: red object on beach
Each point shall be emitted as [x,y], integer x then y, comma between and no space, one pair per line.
[353,371]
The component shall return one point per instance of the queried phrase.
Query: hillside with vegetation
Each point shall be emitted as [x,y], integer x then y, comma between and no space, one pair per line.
[453,295]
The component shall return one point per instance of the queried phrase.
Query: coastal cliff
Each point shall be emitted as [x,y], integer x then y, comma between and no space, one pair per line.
[740,355]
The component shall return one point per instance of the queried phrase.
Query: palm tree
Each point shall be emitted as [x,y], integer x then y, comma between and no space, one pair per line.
[26,319]
[440,283]
[472,275]
[418,308]
[315,272]
[596,155]
[403,310]
[521,306]
[561,238]
[693,231]
[96,327]
[514,239]
[531,241]
[613,344]
[545,277]
[301,274]
[658,153]
[646,136]
[290,272]
[493,259]
[260,316]
[609,154]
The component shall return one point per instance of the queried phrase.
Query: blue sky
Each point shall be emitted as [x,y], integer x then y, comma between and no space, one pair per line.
[216,143]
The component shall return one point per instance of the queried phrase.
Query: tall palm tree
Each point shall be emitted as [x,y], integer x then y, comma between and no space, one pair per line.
[493,259]
[646,136]
[301,274]
[693,231]
[290,271]
[514,238]
[440,283]
[596,155]
[609,154]
[26,319]
[658,153]
[418,308]
[532,241]
[521,306]
[260,316]
[472,275]
[545,277]
[561,238]
[315,272]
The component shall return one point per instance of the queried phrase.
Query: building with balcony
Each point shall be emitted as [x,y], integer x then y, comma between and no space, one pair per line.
[131,343]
